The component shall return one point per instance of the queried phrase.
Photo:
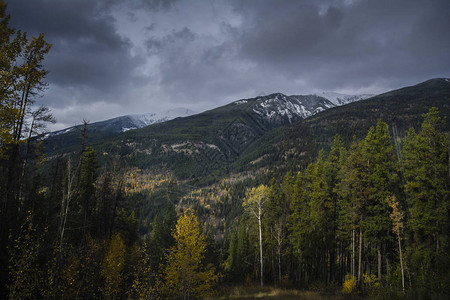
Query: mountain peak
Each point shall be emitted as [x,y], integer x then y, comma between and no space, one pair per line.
[342,99]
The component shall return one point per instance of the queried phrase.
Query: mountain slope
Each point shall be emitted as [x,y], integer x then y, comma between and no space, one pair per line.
[265,111]
[196,145]
[294,145]
[274,130]
[342,99]
[67,139]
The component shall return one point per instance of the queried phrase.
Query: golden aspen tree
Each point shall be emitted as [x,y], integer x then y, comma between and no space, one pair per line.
[254,203]
[185,275]
[142,283]
[397,225]
[113,265]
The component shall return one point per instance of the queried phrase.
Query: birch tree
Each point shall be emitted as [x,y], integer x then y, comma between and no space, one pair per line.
[254,203]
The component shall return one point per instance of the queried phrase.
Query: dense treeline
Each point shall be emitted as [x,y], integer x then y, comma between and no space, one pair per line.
[68,228]
[373,215]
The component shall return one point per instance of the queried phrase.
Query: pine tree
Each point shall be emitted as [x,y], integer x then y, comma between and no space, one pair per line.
[299,226]
[425,156]
[321,215]
[378,151]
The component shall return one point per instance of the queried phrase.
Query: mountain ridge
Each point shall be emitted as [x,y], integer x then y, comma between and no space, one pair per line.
[258,132]
[266,111]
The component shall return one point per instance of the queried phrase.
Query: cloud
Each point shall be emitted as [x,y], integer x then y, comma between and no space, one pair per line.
[87,53]
[141,56]
[342,45]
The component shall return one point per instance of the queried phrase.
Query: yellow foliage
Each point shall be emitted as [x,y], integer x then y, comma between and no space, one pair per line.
[371,280]
[112,267]
[141,287]
[136,181]
[349,285]
[184,274]
[25,274]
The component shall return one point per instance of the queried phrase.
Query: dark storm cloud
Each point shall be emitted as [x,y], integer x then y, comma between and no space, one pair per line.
[87,52]
[113,57]
[348,45]
[142,4]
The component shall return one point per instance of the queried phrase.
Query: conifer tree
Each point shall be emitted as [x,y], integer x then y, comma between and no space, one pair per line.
[425,157]
[382,177]
[299,226]
[321,214]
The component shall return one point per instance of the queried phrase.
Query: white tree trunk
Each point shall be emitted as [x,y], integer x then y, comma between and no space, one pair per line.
[401,261]
[260,243]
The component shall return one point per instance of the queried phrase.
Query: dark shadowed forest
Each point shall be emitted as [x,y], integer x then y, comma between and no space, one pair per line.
[367,215]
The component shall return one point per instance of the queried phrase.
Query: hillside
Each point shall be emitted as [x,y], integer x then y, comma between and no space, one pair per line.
[299,143]
[193,145]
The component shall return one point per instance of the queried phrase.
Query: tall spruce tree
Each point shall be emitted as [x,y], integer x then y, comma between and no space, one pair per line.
[382,177]
[426,166]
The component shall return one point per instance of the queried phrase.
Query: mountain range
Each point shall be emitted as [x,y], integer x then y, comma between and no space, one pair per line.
[276,109]
[273,130]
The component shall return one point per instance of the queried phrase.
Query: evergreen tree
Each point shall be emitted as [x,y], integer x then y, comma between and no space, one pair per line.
[321,215]
[382,177]
[89,166]
[299,227]
[426,170]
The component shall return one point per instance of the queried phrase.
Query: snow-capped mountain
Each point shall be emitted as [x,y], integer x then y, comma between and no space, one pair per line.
[128,122]
[273,110]
[342,99]
[143,120]
[279,109]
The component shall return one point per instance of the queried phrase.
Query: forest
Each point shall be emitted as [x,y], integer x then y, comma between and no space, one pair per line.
[366,219]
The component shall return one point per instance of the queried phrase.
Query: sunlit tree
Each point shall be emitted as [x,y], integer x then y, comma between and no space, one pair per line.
[185,275]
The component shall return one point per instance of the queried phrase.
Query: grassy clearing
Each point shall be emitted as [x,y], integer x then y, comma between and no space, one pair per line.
[256,292]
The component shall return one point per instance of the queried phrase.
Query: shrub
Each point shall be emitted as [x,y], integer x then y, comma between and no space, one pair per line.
[349,285]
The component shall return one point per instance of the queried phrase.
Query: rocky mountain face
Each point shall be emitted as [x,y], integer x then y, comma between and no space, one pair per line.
[279,109]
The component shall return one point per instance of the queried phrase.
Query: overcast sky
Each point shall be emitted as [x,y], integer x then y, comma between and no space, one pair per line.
[113,57]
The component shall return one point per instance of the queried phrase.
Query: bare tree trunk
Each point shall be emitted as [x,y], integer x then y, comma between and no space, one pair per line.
[360,254]
[352,267]
[379,262]
[279,264]
[260,243]
[279,238]
[65,206]
[401,262]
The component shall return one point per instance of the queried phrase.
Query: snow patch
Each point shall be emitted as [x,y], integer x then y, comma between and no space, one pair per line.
[342,99]
[127,128]
[241,102]
[153,118]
